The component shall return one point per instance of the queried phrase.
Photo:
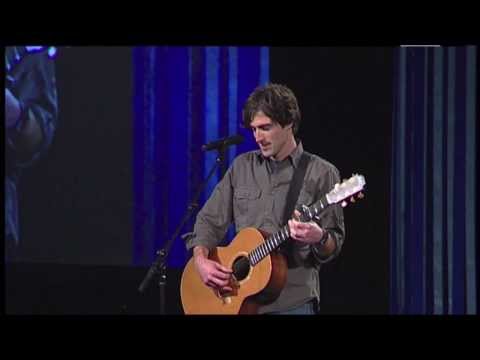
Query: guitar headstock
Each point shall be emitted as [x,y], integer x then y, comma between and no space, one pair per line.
[347,190]
[341,193]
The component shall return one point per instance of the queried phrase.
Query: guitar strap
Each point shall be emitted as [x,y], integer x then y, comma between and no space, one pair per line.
[293,192]
[295,186]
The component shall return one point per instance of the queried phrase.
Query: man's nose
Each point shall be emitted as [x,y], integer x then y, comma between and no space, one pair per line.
[258,136]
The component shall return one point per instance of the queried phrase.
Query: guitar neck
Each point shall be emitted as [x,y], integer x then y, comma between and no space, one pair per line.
[274,241]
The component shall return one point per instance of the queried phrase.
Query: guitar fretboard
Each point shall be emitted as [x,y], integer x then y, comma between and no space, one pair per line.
[281,236]
[272,242]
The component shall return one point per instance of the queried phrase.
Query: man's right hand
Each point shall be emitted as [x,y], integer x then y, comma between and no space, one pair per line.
[213,274]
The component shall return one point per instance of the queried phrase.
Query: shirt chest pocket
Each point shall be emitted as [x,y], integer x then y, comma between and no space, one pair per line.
[246,206]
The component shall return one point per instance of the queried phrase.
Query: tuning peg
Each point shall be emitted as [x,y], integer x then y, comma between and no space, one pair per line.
[344,203]
[352,199]
[361,195]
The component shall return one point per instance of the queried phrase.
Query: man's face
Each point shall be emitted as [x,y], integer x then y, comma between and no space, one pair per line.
[270,136]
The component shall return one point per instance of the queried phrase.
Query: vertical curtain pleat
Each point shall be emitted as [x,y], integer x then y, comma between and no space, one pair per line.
[433,251]
[184,97]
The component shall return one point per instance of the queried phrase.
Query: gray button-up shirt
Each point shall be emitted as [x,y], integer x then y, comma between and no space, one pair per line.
[253,194]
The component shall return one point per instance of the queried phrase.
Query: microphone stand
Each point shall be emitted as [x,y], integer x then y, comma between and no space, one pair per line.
[159,266]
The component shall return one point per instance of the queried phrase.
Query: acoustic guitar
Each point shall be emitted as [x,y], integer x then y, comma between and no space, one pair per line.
[258,271]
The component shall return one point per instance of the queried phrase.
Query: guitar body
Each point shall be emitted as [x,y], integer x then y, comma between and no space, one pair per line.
[255,285]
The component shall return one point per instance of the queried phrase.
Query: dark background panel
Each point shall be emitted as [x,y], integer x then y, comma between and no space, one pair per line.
[76,202]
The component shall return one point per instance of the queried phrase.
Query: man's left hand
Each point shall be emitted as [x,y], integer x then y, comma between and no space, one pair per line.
[306,232]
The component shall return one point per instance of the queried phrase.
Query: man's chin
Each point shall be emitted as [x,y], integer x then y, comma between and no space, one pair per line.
[266,153]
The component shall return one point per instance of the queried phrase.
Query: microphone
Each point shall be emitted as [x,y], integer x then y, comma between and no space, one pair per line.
[224,142]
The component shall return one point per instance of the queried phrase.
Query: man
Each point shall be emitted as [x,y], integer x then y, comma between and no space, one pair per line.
[30,122]
[253,193]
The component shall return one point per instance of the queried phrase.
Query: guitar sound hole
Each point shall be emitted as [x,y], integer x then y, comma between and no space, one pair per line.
[241,267]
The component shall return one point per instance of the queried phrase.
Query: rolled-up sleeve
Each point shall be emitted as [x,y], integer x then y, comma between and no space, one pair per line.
[331,219]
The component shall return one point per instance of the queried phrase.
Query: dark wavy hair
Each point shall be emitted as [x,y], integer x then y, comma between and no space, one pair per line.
[277,102]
